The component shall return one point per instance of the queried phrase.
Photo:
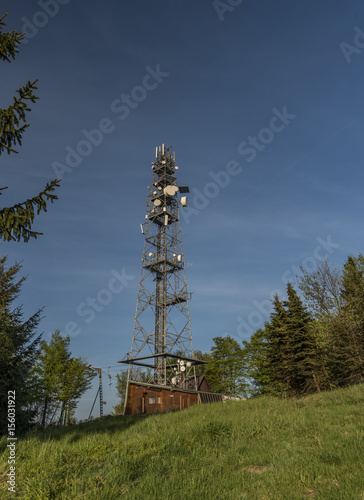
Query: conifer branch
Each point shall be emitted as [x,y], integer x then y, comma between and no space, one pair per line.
[16,221]
[9,42]
[11,118]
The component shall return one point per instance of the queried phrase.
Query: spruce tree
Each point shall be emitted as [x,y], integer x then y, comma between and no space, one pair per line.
[16,221]
[293,363]
[279,353]
[19,342]
[306,372]
[348,327]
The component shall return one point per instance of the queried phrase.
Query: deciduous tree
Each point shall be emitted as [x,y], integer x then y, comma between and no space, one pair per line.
[321,289]
[61,378]
[257,369]
[225,371]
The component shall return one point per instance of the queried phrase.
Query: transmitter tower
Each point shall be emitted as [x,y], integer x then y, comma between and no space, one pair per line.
[161,352]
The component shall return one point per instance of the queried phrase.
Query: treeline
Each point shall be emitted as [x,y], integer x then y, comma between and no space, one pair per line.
[46,379]
[313,342]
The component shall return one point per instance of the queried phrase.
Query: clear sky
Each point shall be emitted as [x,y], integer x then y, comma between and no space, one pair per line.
[263,104]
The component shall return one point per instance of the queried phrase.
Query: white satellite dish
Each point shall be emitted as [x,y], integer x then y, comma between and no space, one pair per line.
[184,201]
[170,190]
[182,362]
[183,368]
[157,203]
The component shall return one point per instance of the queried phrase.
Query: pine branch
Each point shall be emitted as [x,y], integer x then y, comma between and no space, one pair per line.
[9,42]
[11,119]
[16,221]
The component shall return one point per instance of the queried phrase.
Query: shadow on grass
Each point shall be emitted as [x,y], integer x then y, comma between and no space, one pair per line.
[102,425]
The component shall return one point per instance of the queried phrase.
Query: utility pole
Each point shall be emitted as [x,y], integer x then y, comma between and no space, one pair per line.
[99,391]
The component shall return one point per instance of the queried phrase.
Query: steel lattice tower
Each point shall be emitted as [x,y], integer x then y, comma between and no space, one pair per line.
[162,339]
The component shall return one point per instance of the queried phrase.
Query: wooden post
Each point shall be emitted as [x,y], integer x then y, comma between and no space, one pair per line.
[316,384]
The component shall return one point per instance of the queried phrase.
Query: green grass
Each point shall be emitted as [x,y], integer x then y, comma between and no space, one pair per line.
[257,449]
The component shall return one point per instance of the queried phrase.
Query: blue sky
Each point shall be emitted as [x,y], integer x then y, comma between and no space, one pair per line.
[263,104]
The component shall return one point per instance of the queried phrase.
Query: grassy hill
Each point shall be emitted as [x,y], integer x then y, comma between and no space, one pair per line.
[257,449]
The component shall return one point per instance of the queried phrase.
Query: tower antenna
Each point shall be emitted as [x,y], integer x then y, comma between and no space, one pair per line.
[162,339]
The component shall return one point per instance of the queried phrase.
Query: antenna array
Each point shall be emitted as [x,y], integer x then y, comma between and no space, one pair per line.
[162,340]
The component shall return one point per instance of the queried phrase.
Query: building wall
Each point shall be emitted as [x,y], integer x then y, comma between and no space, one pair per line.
[204,385]
[143,400]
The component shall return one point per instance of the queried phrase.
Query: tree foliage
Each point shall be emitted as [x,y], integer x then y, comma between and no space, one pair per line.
[339,328]
[321,289]
[202,356]
[285,358]
[312,347]
[347,338]
[16,221]
[225,370]
[257,370]
[62,380]
[19,343]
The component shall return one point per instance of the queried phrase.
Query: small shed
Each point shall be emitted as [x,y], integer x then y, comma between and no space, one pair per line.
[145,399]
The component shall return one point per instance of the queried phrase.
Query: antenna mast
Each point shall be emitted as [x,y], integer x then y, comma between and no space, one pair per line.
[162,340]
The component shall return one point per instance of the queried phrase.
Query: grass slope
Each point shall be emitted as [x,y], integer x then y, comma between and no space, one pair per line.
[257,449]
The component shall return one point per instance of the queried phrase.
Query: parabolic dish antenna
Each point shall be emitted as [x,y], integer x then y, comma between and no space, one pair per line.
[170,190]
